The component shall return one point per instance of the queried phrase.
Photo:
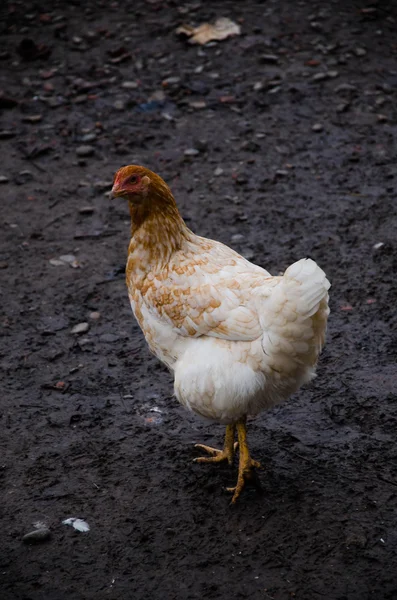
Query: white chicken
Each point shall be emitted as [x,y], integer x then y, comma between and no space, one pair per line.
[238,340]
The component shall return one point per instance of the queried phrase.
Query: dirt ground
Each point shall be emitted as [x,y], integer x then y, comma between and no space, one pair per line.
[280,142]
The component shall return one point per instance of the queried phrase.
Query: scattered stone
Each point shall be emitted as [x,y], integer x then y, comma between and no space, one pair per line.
[86,210]
[333,74]
[171,80]
[191,152]
[345,87]
[32,118]
[80,99]
[67,258]
[157,96]
[317,127]
[88,137]
[80,328]
[129,85]
[37,536]
[103,185]
[25,175]
[218,171]
[95,315]
[378,245]
[268,58]
[237,237]
[109,338]
[198,104]
[342,107]
[55,262]
[360,51]
[85,150]
[6,134]
[4,179]
[119,105]
[248,253]
[382,118]
[320,76]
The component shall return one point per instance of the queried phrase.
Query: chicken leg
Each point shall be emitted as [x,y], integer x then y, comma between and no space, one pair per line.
[227,453]
[246,467]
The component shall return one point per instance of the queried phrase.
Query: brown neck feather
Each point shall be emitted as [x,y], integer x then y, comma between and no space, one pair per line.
[157,231]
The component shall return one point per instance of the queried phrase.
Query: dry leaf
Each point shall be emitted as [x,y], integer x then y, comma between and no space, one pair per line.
[207,32]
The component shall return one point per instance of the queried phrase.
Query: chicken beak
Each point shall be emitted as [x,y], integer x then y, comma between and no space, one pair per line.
[116,192]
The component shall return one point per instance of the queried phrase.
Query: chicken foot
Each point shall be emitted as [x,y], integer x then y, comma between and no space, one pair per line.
[227,453]
[246,468]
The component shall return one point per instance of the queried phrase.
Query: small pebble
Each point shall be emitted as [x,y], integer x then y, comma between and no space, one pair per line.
[317,127]
[248,253]
[88,137]
[268,58]
[218,171]
[360,51]
[345,87]
[67,258]
[37,536]
[129,85]
[95,315]
[5,134]
[119,105]
[80,328]
[4,179]
[198,104]
[103,185]
[320,76]
[382,118]
[237,237]
[172,80]
[191,152]
[55,262]
[109,338]
[85,150]
[342,107]
[86,210]
[32,118]
[378,245]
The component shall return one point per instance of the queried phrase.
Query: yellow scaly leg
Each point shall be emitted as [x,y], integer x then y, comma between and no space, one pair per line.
[227,453]
[246,467]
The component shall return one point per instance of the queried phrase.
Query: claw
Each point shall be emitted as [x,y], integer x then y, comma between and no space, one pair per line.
[215,454]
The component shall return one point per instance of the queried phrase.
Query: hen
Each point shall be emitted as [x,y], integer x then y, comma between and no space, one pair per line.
[238,340]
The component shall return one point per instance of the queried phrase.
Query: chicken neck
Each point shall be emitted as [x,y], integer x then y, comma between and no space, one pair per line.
[157,231]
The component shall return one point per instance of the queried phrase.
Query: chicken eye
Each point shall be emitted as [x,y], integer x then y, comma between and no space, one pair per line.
[133,179]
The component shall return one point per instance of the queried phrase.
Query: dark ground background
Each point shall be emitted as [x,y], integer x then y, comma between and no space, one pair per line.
[79,436]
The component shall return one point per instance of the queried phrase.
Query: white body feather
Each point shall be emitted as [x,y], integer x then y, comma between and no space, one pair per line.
[238,340]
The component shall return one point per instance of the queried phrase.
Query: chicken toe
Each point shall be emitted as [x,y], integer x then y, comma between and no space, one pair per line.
[216,455]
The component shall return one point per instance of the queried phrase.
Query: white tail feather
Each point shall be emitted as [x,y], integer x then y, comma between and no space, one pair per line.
[295,315]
